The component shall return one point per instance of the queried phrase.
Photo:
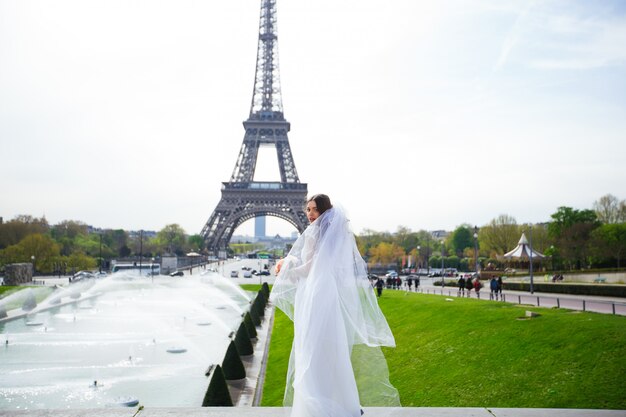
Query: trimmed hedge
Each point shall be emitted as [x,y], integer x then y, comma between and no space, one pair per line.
[217,395]
[606,290]
[247,320]
[266,290]
[258,306]
[242,341]
[254,316]
[232,365]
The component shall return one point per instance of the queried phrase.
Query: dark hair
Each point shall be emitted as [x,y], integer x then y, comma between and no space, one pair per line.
[322,201]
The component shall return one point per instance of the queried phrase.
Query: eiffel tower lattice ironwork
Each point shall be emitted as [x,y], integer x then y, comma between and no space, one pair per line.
[242,197]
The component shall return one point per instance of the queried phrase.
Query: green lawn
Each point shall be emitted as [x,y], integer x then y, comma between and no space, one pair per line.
[471,353]
[6,290]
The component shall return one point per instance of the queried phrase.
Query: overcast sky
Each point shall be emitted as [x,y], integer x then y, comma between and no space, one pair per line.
[425,114]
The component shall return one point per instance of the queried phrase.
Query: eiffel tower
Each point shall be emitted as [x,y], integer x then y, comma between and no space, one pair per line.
[242,197]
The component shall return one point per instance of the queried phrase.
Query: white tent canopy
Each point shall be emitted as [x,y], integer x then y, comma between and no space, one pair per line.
[523,250]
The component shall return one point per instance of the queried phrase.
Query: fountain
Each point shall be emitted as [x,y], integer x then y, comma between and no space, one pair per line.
[117,341]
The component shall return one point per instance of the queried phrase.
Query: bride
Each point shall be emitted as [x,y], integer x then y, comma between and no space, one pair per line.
[336,364]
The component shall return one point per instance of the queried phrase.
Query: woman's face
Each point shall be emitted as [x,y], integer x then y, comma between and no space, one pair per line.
[311,211]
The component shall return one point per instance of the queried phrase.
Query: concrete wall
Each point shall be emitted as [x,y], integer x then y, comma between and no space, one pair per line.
[16,274]
[611,277]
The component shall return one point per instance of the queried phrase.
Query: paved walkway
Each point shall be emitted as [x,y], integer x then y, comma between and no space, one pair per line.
[596,304]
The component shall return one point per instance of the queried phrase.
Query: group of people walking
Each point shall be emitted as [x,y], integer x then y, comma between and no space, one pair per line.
[467,284]
[395,283]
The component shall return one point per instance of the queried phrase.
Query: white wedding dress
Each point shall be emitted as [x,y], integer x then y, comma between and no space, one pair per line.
[336,364]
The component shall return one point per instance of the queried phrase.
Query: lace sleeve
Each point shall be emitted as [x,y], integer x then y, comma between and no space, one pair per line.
[295,268]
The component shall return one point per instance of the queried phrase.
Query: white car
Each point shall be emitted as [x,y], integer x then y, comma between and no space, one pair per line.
[234,274]
[247,274]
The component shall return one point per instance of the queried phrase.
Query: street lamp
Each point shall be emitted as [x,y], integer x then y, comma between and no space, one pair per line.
[32,258]
[476,249]
[100,256]
[443,274]
[417,261]
[428,254]
[530,256]
[140,250]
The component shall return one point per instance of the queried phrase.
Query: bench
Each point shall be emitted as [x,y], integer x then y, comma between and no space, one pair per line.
[600,280]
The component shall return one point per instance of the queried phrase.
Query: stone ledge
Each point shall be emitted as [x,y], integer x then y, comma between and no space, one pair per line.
[281,412]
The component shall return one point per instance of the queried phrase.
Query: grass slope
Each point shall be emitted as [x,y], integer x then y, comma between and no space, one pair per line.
[471,353]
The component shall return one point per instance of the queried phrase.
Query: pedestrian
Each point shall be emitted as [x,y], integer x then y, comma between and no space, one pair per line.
[322,286]
[493,286]
[461,283]
[469,285]
[379,286]
[477,286]
[409,282]
[500,288]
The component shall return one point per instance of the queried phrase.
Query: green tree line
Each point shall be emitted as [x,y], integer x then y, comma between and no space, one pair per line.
[572,238]
[71,245]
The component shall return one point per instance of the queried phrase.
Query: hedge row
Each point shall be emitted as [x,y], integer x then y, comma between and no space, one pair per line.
[606,290]
[217,394]
[569,288]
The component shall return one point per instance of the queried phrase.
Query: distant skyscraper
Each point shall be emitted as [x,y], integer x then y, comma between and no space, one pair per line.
[259,226]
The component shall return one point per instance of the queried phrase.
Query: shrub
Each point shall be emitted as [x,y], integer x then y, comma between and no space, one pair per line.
[254,316]
[242,341]
[266,290]
[217,394]
[232,366]
[607,290]
[247,320]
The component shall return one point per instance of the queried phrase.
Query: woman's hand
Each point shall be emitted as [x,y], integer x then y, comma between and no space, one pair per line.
[279,265]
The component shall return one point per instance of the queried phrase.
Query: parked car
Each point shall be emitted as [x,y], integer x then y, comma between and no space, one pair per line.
[80,275]
[177,274]
[262,273]
[247,274]
[234,274]
[391,274]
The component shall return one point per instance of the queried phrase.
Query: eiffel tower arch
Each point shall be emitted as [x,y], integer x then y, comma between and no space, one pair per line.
[243,198]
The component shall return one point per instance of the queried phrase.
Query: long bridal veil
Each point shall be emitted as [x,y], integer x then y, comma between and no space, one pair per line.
[336,360]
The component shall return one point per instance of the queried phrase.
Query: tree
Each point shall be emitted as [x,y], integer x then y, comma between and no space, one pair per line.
[499,236]
[44,250]
[610,210]
[610,239]
[68,228]
[370,238]
[78,261]
[172,237]
[117,240]
[13,231]
[196,242]
[406,239]
[566,217]
[462,238]
[571,229]
[386,253]
[68,234]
